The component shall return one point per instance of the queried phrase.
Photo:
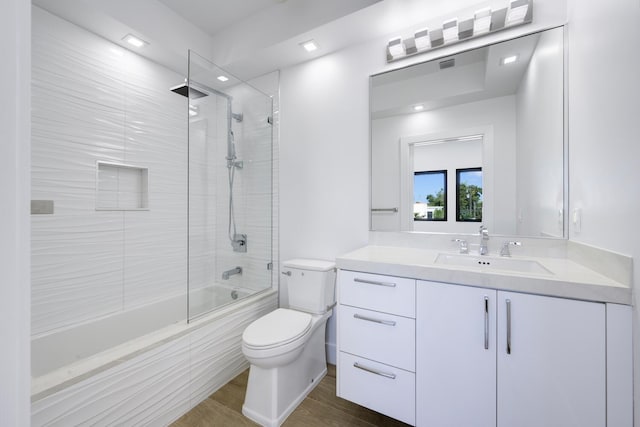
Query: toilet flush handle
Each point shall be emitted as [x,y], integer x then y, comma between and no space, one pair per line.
[286,273]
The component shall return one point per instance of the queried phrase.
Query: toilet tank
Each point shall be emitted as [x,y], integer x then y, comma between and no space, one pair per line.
[311,284]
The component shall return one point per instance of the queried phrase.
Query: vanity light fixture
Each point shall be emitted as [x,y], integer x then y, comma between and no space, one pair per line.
[450,30]
[309,45]
[484,21]
[222,78]
[517,11]
[422,39]
[418,107]
[395,47]
[508,60]
[135,41]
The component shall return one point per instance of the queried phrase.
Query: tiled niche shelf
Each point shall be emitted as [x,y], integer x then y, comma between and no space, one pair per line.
[121,187]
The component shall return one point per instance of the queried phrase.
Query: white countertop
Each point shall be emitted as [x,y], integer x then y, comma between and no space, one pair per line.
[568,279]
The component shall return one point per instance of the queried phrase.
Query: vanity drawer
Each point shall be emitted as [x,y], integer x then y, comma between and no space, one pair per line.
[378,336]
[385,389]
[395,295]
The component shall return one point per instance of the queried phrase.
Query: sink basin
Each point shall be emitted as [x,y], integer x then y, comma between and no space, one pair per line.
[492,263]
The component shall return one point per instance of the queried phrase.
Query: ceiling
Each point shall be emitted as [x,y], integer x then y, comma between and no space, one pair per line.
[248,38]
[214,16]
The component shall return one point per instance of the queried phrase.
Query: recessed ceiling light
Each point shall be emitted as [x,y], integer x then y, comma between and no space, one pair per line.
[310,45]
[135,41]
[223,78]
[418,107]
[508,59]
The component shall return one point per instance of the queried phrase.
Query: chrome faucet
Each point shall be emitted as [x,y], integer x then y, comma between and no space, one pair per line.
[504,251]
[484,238]
[464,246]
[229,273]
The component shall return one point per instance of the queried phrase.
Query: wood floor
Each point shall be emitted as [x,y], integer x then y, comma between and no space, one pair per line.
[321,408]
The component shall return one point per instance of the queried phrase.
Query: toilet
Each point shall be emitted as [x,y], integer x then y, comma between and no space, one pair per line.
[286,348]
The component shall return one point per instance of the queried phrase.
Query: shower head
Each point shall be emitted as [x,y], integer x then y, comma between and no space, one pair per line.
[184,90]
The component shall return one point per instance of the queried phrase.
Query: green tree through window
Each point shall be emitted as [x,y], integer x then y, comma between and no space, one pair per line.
[469,194]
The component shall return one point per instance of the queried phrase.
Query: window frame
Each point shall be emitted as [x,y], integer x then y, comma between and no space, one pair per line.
[462,170]
[445,194]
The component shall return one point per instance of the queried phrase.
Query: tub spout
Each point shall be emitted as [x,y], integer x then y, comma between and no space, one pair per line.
[229,273]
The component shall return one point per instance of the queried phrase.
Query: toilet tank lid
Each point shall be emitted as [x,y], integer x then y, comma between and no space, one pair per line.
[310,264]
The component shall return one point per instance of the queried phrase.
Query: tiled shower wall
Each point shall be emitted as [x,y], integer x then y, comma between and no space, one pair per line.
[93,101]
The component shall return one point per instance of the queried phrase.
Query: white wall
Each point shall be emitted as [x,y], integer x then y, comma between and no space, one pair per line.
[324,146]
[604,112]
[540,132]
[495,117]
[15,81]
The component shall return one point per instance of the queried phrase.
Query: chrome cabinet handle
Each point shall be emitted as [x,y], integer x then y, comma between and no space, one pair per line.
[371,319]
[486,323]
[375,371]
[373,282]
[508,326]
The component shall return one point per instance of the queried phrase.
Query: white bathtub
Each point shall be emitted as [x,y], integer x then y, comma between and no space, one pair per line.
[62,358]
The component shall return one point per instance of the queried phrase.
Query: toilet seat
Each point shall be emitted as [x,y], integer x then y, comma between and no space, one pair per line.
[278,328]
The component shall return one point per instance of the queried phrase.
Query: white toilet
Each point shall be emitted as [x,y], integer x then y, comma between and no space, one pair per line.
[286,348]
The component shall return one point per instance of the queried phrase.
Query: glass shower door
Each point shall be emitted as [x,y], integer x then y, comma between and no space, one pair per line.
[230,188]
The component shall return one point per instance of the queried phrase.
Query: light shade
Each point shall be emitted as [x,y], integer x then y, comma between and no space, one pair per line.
[422,39]
[135,41]
[396,47]
[309,45]
[482,21]
[517,11]
[450,30]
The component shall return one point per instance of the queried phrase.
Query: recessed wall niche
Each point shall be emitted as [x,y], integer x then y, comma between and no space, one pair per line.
[121,187]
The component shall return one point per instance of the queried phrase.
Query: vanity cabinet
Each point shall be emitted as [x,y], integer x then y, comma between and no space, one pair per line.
[553,373]
[456,355]
[487,358]
[376,343]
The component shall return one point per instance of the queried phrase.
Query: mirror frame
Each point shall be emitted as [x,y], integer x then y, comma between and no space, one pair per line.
[565,133]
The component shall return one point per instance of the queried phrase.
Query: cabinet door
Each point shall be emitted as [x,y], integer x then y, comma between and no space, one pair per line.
[551,362]
[456,356]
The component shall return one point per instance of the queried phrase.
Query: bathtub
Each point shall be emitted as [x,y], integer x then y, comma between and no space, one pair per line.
[75,371]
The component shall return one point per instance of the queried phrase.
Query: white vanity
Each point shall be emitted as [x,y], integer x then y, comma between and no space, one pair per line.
[436,339]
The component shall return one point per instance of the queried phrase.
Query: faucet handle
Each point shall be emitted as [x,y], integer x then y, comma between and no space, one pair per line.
[464,246]
[504,251]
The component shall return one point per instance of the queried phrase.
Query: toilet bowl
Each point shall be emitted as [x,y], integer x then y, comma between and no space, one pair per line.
[286,348]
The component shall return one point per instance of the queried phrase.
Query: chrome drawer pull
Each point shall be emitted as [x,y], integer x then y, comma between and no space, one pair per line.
[486,323]
[374,371]
[373,282]
[508,326]
[371,319]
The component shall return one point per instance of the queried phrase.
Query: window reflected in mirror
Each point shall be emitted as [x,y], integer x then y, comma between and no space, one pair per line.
[430,196]
[469,195]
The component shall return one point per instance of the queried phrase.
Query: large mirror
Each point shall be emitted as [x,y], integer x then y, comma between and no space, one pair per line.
[472,139]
